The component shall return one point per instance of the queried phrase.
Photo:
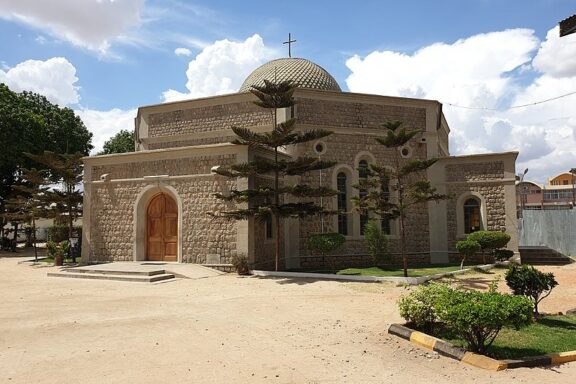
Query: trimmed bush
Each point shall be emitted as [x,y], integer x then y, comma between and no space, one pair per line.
[325,243]
[467,248]
[478,317]
[503,254]
[376,242]
[489,240]
[528,281]
[418,307]
[59,233]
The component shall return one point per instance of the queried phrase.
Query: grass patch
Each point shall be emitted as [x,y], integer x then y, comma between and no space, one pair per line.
[415,271]
[398,271]
[550,334]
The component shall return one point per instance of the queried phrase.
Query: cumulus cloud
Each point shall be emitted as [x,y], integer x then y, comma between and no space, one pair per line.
[556,56]
[182,52]
[105,124]
[490,72]
[54,78]
[221,68]
[90,24]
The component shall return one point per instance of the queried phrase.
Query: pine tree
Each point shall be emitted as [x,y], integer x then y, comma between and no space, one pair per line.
[405,177]
[67,170]
[29,202]
[270,202]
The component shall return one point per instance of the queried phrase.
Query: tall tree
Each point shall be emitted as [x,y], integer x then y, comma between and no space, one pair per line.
[67,170]
[406,177]
[121,142]
[29,203]
[269,202]
[30,123]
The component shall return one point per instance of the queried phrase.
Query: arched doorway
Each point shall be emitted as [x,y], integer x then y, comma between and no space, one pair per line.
[162,229]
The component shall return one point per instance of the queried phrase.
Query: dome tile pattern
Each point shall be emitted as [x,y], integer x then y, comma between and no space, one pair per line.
[302,72]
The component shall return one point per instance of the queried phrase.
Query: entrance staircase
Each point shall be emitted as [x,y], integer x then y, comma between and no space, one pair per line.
[542,255]
[133,273]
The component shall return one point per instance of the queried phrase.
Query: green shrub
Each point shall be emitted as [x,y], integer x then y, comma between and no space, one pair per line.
[241,265]
[377,242]
[489,240]
[51,247]
[528,281]
[477,317]
[325,243]
[467,248]
[418,307]
[503,254]
[59,232]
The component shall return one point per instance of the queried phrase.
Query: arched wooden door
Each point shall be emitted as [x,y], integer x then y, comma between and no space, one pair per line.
[162,229]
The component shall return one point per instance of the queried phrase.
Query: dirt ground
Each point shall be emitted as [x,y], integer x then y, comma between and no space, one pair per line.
[226,329]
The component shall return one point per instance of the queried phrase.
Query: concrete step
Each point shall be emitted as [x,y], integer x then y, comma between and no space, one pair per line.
[117,271]
[114,276]
[542,255]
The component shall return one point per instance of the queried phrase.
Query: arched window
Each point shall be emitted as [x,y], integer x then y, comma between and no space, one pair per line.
[341,187]
[385,222]
[472,221]
[362,192]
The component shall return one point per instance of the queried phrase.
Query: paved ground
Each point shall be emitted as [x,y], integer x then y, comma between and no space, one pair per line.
[223,329]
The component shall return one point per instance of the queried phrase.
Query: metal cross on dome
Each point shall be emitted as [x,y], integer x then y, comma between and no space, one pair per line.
[289,42]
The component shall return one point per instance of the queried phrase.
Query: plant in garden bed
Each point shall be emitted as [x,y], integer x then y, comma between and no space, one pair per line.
[489,241]
[467,248]
[476,317]
[530,282]
[419,307]
[325,243]
[376,242]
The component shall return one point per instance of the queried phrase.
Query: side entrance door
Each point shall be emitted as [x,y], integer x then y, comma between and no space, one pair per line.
[162,229]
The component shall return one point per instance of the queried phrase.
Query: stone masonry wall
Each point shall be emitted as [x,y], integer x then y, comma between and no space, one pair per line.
[208,118]
[357,115]
[344,149]
[113,204]
[484,178]
[175,167]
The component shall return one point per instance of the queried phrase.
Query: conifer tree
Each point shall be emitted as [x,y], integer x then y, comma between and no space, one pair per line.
[405,177]
[67,170]
[29,202]
[270,202]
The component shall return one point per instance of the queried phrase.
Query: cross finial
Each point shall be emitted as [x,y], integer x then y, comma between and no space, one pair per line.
[289,42]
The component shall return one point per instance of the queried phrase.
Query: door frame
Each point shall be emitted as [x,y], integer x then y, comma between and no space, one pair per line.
[141,216]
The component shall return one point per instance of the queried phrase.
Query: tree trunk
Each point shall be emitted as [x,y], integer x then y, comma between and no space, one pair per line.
[276,205]
[34,239]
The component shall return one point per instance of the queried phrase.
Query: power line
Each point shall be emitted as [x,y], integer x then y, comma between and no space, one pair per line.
[512,107]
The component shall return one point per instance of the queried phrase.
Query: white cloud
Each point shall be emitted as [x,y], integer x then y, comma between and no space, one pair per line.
[182,52]
[556,56]
[494,71]
[105,124]
[221,68]
[54,78]
[90,24]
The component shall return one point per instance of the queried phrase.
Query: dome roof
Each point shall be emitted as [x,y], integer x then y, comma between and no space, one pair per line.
[302,72]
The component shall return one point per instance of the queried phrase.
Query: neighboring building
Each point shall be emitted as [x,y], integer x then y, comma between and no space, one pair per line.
[153,204]
[558,193]
[568,26]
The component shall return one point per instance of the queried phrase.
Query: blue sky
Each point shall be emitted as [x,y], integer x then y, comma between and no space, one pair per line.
[105,58]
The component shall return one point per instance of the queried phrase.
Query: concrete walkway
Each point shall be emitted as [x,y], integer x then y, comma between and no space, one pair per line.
[189,271]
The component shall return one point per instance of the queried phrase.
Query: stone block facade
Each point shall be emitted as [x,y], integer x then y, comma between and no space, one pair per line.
[179,143]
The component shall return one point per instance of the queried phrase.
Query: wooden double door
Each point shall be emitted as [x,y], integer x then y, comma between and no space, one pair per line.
[162,229]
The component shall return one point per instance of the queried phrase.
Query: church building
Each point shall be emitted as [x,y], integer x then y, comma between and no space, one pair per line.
[153,204]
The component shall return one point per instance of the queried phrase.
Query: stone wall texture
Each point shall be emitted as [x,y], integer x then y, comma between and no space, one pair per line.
[113,205]
[484,178]
[356,115]
[347,150]
[206,119]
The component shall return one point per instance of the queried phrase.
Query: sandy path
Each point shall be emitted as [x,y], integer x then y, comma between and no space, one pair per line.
[217,330]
